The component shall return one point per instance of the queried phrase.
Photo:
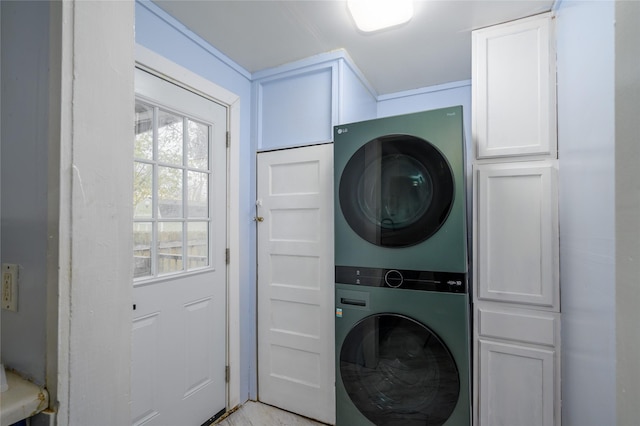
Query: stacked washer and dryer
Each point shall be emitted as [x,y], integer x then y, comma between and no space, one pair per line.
[402,303]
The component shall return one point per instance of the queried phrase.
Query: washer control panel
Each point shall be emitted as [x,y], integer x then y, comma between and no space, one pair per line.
[450,282]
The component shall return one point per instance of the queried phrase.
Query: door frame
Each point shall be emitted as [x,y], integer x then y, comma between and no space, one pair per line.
[151,61]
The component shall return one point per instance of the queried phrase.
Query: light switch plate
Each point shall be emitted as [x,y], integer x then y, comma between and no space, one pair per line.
[10,287]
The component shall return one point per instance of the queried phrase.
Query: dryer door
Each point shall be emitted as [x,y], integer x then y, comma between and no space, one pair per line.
[396,191]
[397,371]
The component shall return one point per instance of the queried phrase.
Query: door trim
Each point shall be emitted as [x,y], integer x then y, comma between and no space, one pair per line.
[151,61]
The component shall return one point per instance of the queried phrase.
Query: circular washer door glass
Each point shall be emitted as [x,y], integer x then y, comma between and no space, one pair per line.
[397,371]
[396,191]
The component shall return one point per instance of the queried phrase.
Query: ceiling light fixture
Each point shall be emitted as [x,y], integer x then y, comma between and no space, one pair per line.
[373,15]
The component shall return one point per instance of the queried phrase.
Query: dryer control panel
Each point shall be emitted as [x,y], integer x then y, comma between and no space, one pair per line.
[450,282]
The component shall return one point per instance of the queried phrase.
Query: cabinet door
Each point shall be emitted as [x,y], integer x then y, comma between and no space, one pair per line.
[516,234]
[516,385]
[514,89]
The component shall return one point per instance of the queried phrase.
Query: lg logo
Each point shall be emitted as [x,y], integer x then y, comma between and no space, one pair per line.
[342,130]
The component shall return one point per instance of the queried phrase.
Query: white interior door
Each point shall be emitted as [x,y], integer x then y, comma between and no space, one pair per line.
[180,239]
[295,281]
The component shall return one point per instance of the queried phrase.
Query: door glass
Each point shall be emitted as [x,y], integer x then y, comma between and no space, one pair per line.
[169,247]
[198,193]
[198,155]
[143,142]
[170,138]
[142,234]
[397,371]
[171,192]
[396,191]
[197,237]
[142,189]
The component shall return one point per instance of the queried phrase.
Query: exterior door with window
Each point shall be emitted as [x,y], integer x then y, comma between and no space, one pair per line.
[179,227]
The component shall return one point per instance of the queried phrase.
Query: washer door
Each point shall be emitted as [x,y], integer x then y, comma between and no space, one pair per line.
[397,371]
[396,191]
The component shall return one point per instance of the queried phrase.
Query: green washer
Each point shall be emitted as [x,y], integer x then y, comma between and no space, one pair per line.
[402,357]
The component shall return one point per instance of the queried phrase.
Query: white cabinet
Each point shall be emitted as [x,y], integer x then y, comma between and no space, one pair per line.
[517,366]
[299,103]
[516,292]
[516,384]
[514,111]
[516,284]
[516,233]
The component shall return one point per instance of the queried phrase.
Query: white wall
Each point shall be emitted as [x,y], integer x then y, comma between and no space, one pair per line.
[161,33]
[96,189]
[627,210]
[25,96]
[585,49]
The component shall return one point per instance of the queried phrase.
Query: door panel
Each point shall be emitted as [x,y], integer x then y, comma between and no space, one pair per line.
[295,281]
[397,370]
[396,191]
[517,233]
[179,325]
[145,365]
[516,384]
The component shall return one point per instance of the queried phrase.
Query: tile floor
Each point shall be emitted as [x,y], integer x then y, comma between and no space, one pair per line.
[253,413]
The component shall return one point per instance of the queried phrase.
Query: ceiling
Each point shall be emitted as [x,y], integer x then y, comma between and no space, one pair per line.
[433,48]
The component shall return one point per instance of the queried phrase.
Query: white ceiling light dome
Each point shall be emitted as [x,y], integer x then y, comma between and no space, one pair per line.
[373,15]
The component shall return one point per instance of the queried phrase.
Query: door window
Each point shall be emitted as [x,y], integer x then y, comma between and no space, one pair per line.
[397,371]
[171,192]
[396,191]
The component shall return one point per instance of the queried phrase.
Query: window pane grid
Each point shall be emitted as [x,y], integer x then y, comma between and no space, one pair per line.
[172,181]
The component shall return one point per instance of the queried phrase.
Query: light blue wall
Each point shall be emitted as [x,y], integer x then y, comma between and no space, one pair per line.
[585,51]
[357,99]
[442,96]
[161,33]
[25,98]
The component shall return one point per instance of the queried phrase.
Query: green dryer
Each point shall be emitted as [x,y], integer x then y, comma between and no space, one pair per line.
[400,192]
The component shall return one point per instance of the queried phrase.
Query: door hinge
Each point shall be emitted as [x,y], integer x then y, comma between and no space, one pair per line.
[227,256]
[228,139]
[227,373]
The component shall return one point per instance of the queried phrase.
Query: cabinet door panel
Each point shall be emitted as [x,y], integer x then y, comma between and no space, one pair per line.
[516,385]
[516,236]
[514,89]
